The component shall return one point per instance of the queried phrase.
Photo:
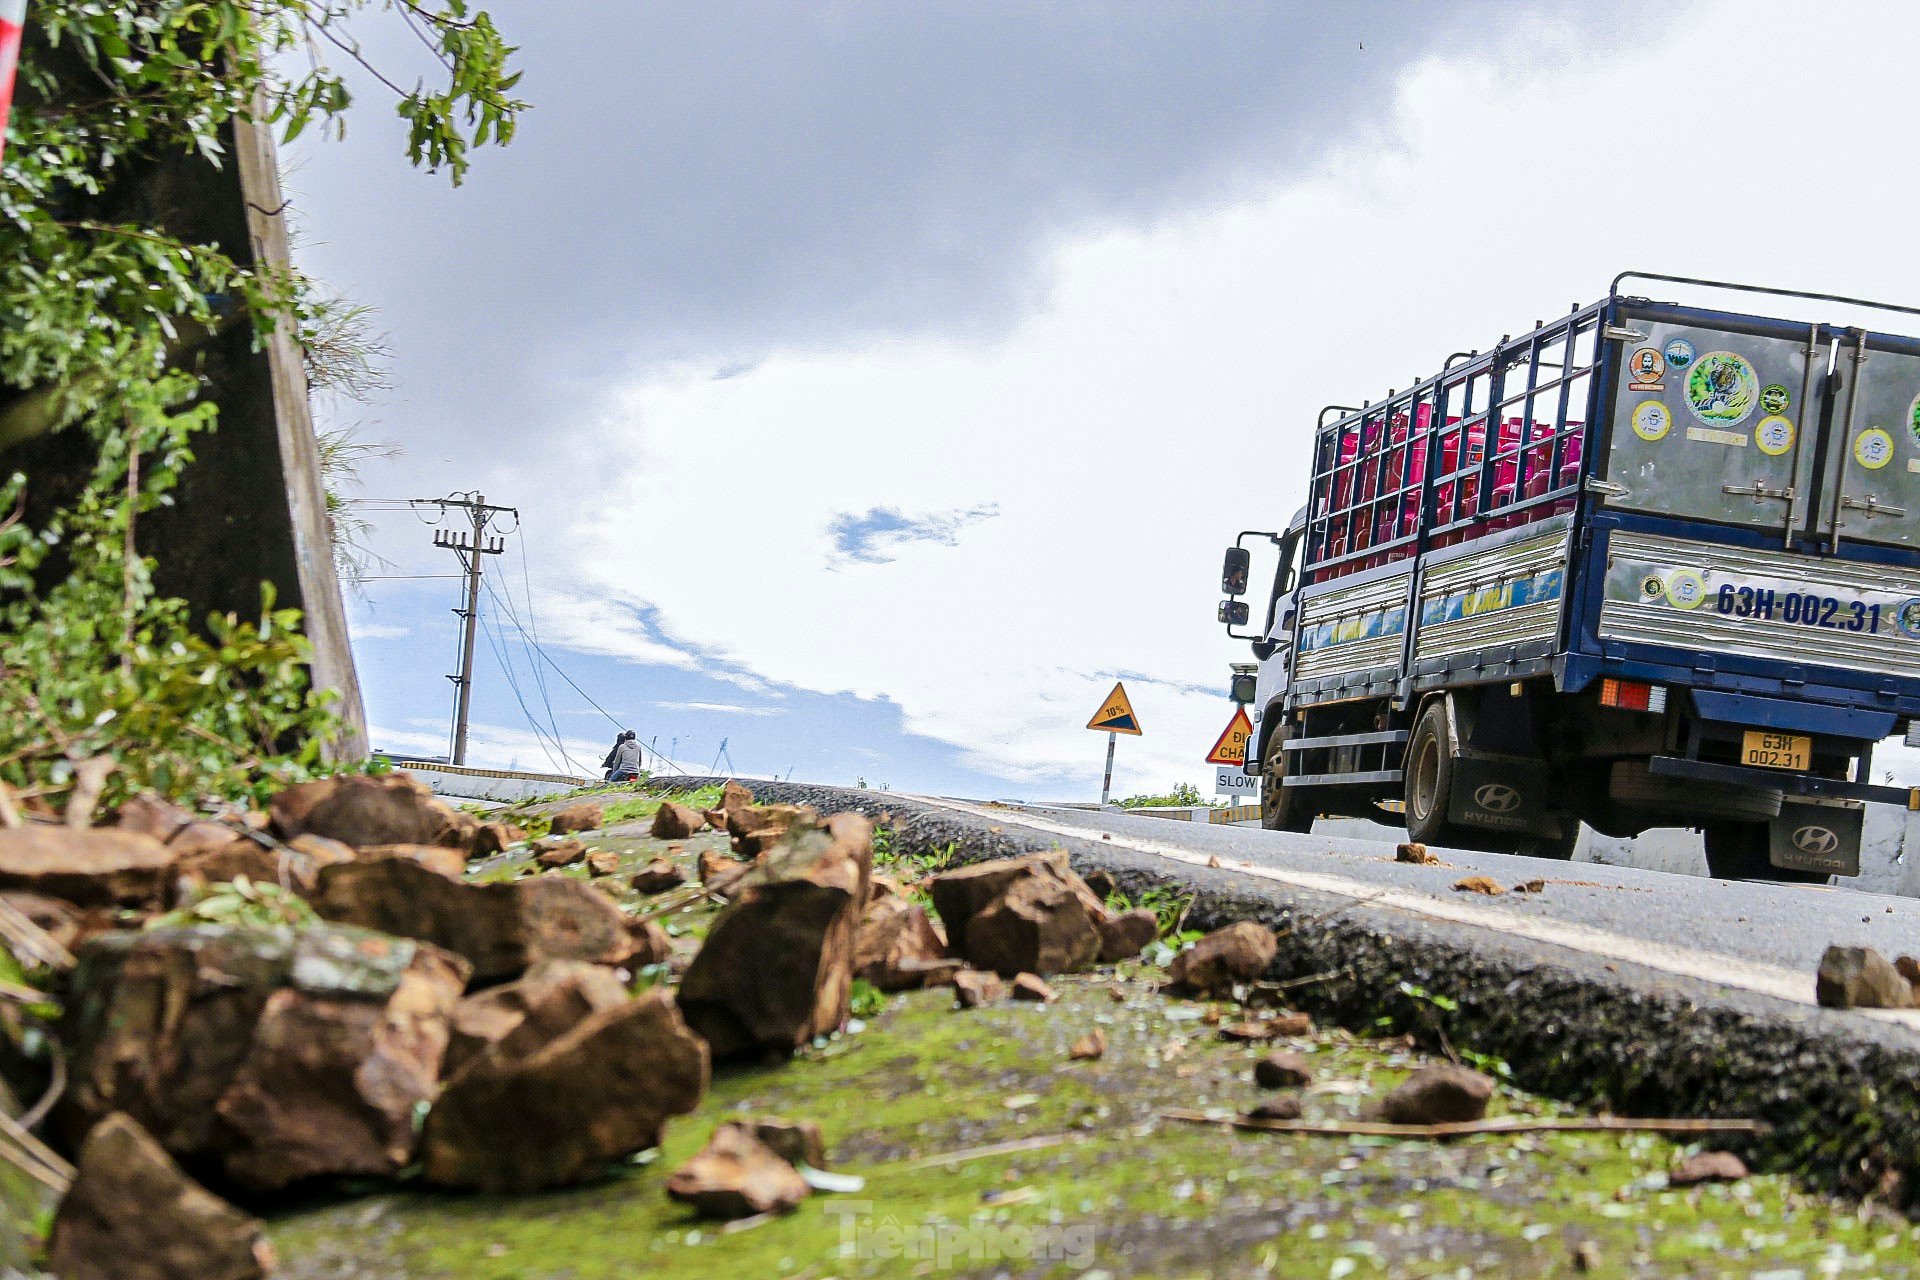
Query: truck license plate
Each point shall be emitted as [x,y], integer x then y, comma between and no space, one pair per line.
[1776,750]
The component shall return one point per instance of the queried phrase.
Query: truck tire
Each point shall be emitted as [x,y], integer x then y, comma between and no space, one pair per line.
[1429,779]
[1689,800]
[1738,851]
[1284,808]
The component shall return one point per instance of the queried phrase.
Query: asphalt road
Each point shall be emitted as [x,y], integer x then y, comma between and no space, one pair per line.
[1759,937]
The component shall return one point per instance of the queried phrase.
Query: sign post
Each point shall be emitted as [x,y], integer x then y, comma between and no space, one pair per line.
[1116,717]
[13,18]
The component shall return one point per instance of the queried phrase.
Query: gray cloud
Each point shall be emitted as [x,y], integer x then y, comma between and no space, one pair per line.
[873,536]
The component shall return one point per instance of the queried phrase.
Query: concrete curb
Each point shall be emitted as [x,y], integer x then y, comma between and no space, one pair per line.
[1838,1087]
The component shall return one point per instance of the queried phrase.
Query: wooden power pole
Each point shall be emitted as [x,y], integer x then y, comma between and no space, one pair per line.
[469,547]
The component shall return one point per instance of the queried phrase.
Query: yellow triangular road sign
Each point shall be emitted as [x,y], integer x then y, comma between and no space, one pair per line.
[1116,714]
[1232,746]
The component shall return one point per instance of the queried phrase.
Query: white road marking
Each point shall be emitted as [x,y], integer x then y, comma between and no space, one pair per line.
[1705,966]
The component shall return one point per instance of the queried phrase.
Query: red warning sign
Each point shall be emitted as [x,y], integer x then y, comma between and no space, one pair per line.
[1232,746]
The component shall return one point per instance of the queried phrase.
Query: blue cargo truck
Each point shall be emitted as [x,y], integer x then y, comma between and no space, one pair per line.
[1648,565]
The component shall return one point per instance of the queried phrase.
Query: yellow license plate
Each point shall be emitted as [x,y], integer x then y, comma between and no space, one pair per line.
[1776,750]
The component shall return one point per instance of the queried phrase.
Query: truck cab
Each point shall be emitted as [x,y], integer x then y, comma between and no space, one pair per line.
[1649,564]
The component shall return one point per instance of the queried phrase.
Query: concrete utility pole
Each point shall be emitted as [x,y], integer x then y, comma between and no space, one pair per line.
[469,548]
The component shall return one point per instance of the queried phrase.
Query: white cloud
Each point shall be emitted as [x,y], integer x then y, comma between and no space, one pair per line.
[379,631]
[1163,397]
[724,708]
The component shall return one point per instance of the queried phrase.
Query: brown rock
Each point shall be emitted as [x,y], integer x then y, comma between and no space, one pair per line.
[1285,1107]
[437,858]
[1041,925]
[584,816]
[555,854]
[500,928]
[1438,1095]
[716,818]
[1860,978]
[1415,852]
[1089,1046]
[1479,884]
[1238,953]
[58,920]
[961,895]
[393,808]
[759,827]
[975,987]
[657,876]
[797,1142]
[131,1214]
[1250,1031]
[776,969]
[198,838]
[558,1114]
[736,1176]
[97,866]
[1100,883]
[896,948]
[323,851]
[340,1060]
[651,943]
[719,872]
[566,993]
[676,821]
[1126,935]
[1027,986]
[490,838]
[1285,1070]
[149,815]
[602,862]
[1908,968]
[733,796]
[1708,1166]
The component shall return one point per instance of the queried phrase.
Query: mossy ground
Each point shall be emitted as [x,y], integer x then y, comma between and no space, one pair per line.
[1109,1186]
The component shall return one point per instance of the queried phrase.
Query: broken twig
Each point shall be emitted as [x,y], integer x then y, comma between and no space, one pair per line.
[996,1149]
[1505,1125]
[31,944]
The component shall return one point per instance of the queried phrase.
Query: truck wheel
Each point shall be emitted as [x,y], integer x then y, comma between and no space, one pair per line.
[1284,808]
[1429,779]
[1738,851]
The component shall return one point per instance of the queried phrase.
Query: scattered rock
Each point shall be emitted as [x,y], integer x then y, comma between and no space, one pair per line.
[1028,914]
[602,862]
[1238,953]
[963,895]
[1284,1070]
[1443,1094]
[1708,1166]
[566,992]
[132,1214]
[1100,882]
[651,944]
[198,838]
[340,1060]
[149,815]
[776,969]
[1585,1257]
[1908,968]
[797,1142]
[757,828]
[1285,1107]
[736,1176]
[676,821]
[1531,886]
[584,816]
[1251,1031]
[975,987]
[733,796]
[61,921]
[290,865]
[435,858]
[1415,852]
[1126,935]
[96,866]
[1211,861]
[361,810]
[896,946]
[490,838]
[557,1114]
[657,876]
[500,928]
[720,873]
[1089,1046]
[716,818]
[1027,986]
[1860,978]
[1479,884]
[554,854]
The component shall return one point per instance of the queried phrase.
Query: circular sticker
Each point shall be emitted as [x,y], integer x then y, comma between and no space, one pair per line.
[1907,618]
[1647,365]
[1653,588]
[1722,388]
[1651,421]
[1686,588]
[1679,353]
[1873,448]
[1774,398]
[1774,435]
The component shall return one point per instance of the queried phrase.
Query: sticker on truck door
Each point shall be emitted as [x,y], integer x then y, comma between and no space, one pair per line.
[1722,389]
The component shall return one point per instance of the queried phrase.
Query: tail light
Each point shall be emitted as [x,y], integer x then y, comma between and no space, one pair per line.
[1631,695]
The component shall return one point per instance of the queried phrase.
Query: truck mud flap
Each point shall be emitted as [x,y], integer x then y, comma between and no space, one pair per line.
[1817,835]
[1497,793]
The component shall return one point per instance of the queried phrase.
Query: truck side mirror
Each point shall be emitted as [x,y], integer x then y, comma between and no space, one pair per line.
[1233,573]
[1233,613]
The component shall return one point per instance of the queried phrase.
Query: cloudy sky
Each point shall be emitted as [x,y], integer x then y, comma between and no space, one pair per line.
[877,383]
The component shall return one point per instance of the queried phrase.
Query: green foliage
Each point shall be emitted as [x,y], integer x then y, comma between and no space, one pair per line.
[102,321]
[867,1000]
[1183,795]
[1169,908]
[242,902]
